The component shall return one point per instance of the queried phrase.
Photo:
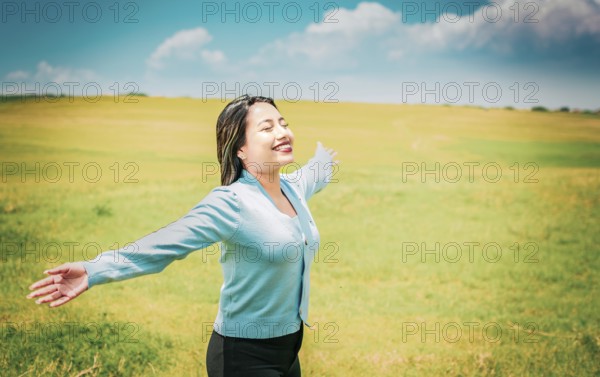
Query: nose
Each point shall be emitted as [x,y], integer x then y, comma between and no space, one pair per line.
[281,131]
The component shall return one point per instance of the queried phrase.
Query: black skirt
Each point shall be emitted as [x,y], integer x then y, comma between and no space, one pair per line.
[242,357]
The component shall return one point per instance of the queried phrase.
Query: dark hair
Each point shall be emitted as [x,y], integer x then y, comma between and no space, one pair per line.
[231,135]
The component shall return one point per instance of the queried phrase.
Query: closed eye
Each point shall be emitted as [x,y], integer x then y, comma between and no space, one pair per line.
[269,128]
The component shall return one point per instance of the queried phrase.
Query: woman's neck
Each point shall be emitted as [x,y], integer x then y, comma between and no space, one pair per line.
[269,179]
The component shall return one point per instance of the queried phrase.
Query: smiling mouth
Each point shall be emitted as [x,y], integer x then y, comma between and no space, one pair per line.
[283,147]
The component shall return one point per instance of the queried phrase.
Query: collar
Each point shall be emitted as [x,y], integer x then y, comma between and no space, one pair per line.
[249,178]
[296,200]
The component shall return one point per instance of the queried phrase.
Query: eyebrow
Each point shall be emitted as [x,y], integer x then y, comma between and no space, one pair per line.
[268,120]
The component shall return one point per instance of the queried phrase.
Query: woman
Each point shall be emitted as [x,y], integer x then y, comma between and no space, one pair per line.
[267,235]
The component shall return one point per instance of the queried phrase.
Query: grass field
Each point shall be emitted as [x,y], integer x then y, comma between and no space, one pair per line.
[461,241]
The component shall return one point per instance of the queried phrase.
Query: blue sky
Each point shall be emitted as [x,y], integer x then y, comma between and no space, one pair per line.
[501,53]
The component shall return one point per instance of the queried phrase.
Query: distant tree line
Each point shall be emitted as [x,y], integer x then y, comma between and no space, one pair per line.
[566,109]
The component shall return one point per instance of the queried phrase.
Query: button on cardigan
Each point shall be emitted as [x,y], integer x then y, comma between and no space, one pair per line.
[265,254]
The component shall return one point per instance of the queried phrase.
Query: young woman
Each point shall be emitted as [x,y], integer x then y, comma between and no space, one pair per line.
[267,235]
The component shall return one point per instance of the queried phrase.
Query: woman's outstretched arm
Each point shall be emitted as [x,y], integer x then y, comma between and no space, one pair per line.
[214,219]
[317,173]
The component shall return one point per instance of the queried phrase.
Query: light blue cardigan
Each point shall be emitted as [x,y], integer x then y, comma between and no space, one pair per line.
[265,254]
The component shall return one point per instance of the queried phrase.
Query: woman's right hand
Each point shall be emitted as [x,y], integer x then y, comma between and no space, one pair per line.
[65,282]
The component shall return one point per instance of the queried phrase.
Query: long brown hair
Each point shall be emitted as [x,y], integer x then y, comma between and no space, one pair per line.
[231,135]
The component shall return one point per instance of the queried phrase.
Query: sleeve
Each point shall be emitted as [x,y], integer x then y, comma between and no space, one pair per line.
[315,175]
[215,218]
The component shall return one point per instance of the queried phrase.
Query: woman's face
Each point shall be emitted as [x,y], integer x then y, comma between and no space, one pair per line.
[269,141]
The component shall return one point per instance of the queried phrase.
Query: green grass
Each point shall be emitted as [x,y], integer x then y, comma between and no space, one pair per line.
[377,302]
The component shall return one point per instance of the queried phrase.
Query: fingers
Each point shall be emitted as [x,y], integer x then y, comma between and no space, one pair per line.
[331,151]
[42,283]
[55,299]
[49,298]
[61,301]
[62,269]
[42,291]
[54,296]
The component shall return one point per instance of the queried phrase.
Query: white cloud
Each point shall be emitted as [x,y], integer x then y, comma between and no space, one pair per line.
[184,45]
[373,52]
[561,20]
[366,18]
[500,27]
[17,75]
[373,26]
[329,42]
[213,57]
[46,73]
[49,79]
